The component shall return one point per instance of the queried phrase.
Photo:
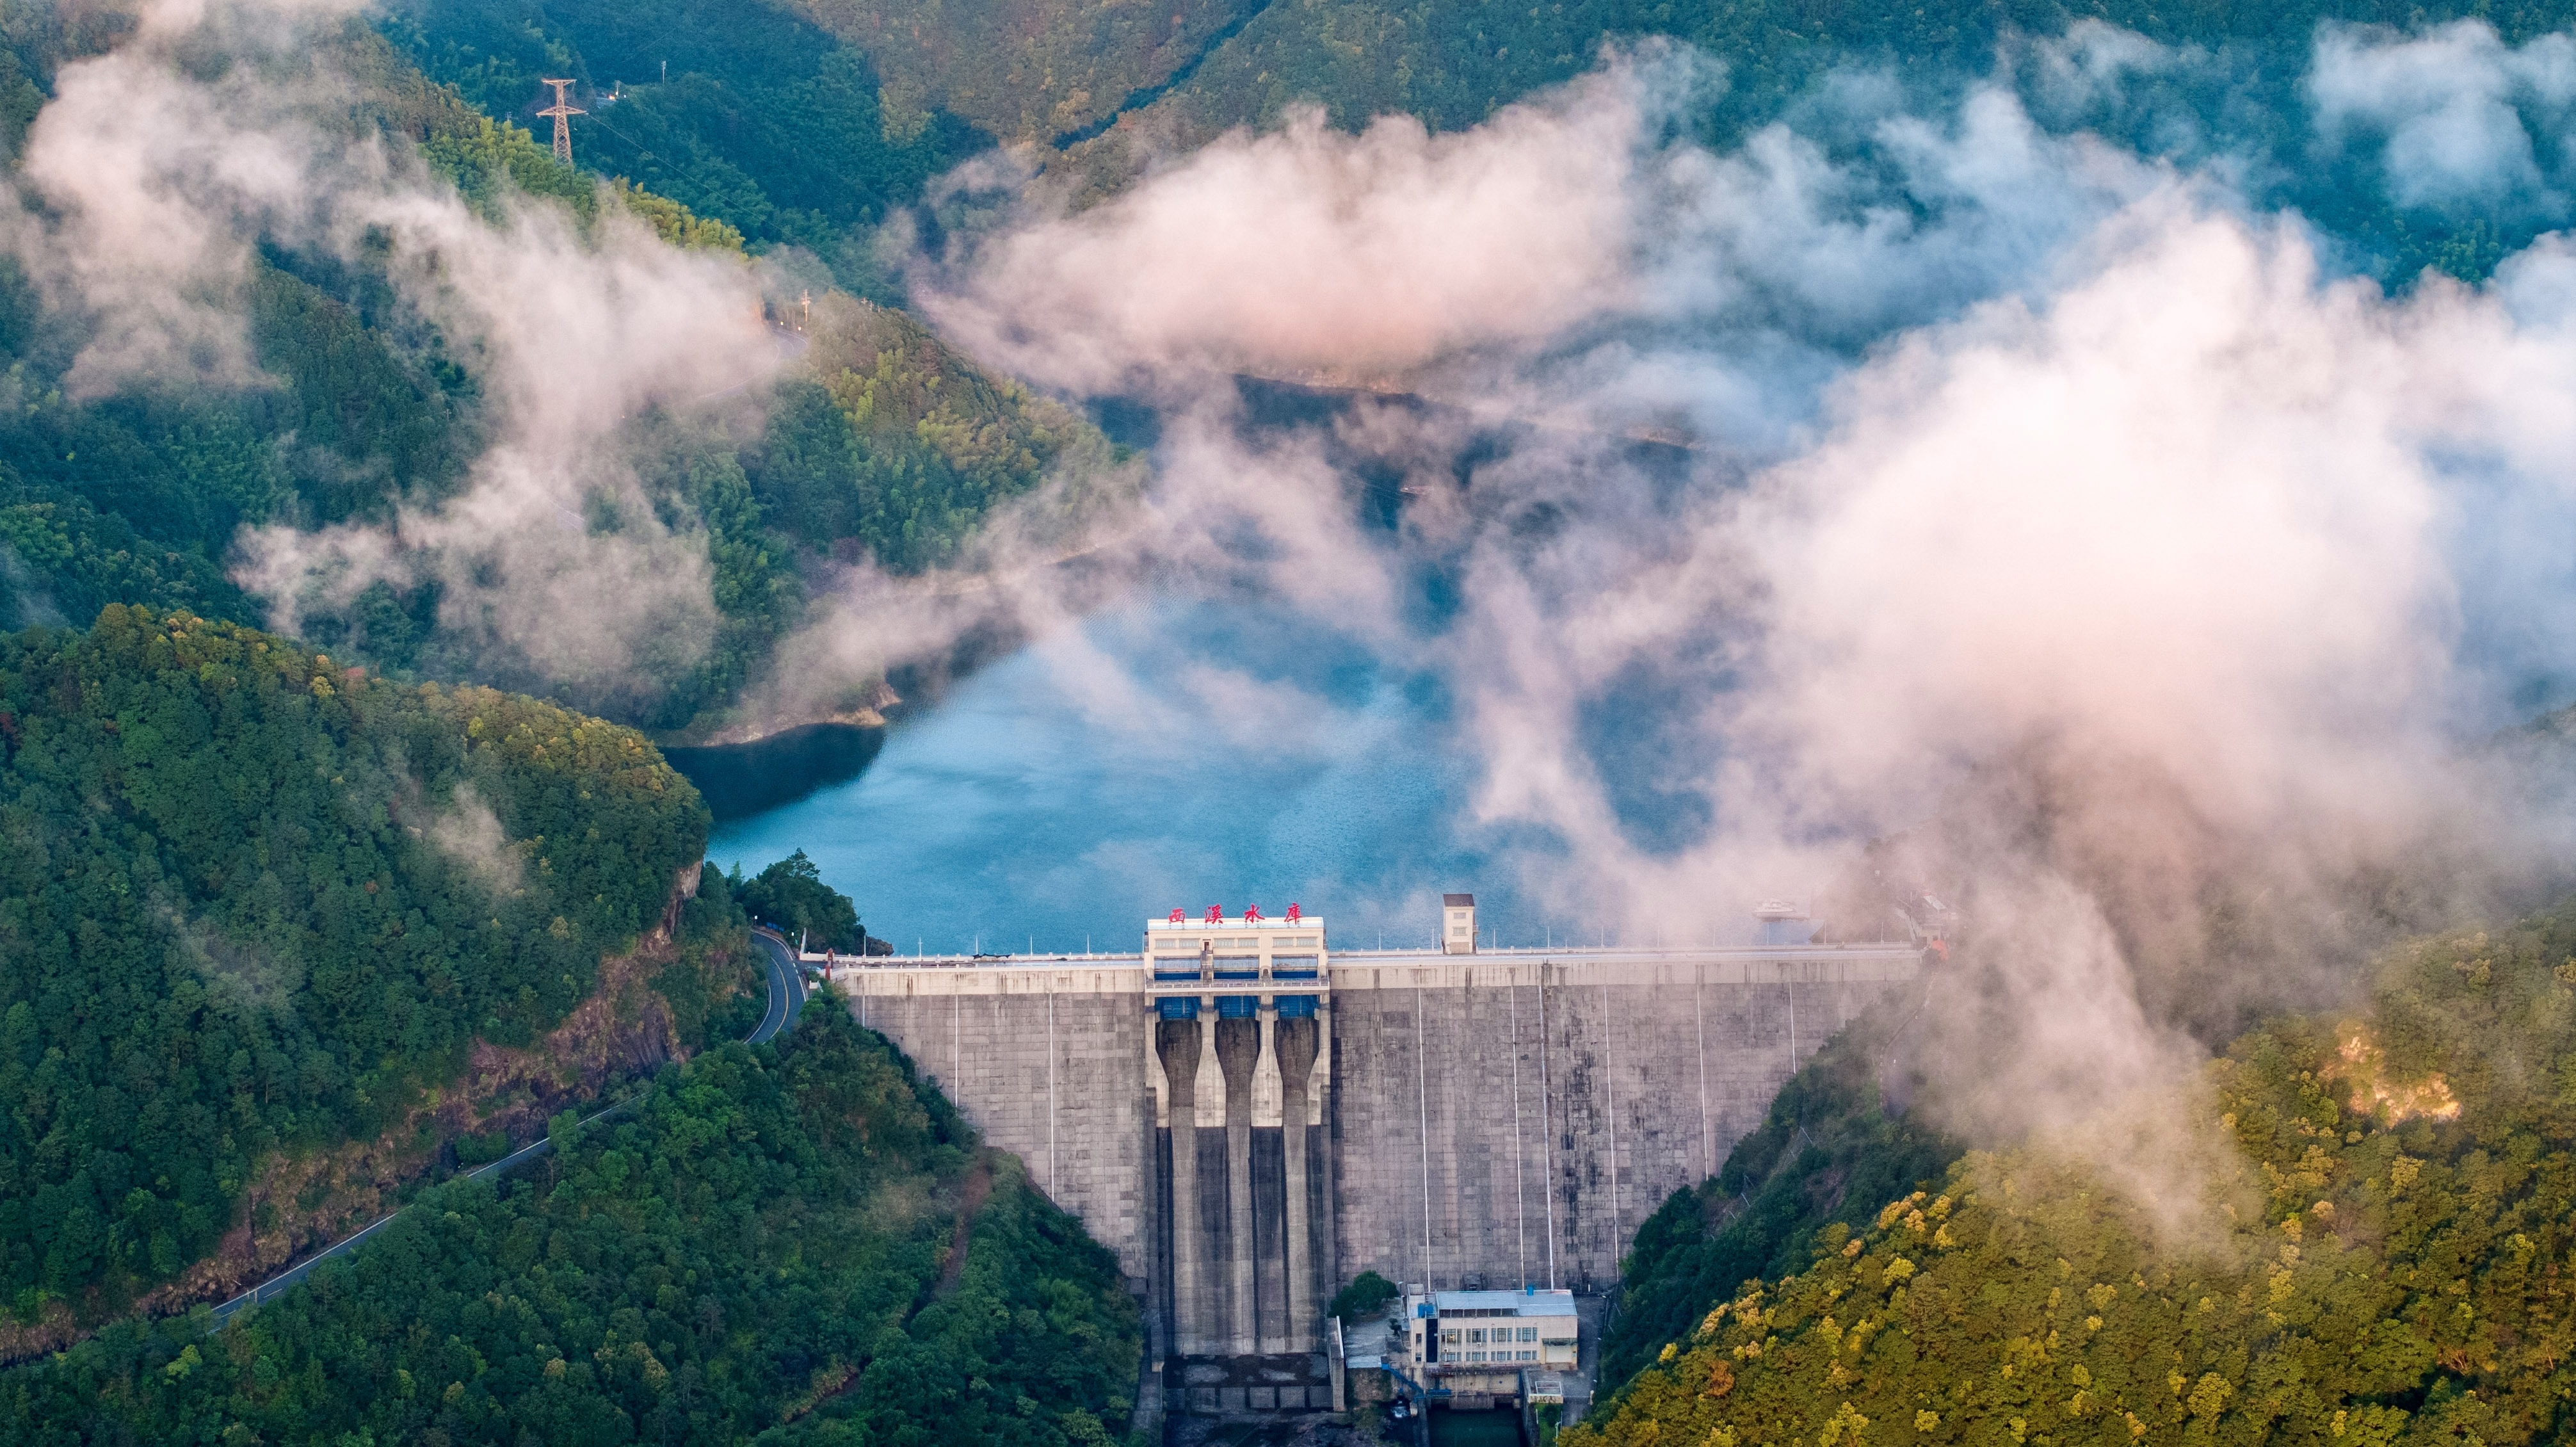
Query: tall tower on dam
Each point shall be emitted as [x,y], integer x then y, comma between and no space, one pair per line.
[1250,1118]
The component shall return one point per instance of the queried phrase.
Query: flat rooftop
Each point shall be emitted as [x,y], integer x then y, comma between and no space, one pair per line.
[1518,1303]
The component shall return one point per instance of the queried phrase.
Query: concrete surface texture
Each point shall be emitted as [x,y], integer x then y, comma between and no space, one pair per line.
[1459,1120]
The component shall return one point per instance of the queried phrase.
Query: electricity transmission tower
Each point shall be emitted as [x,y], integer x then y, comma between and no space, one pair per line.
[562,110]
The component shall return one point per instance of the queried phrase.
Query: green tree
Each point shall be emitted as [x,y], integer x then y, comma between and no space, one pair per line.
[800,1244]
[1367,1295]
[791,895]
[2376,1254]
[256,902]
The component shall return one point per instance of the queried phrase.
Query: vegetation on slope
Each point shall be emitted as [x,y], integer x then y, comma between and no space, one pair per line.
[2392,1260]
[2236,92]
[1031,70]
[1830,1151]
[882,444]
[892,445]
[762,121]
[791,896]
[62,558]
[802,1244]
[370,409]
[253,903]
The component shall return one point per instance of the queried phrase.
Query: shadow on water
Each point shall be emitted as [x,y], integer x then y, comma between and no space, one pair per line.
[1475,1429]
[740,780]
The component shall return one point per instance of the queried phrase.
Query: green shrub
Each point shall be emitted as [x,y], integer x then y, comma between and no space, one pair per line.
[1366,1296]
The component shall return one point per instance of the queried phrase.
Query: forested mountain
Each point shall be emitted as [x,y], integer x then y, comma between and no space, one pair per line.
[278,938]
[1057,74]
[789,133]
[802,1244]
[2381,1255]
[257,905]
[740,112]
[880,442]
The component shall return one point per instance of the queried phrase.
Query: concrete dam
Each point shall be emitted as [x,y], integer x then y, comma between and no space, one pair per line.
[1249,1117]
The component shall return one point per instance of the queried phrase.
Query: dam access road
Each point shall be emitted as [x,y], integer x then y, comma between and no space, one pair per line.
[786,998]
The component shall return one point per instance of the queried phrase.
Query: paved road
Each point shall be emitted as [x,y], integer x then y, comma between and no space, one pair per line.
[786,986]
[786,997]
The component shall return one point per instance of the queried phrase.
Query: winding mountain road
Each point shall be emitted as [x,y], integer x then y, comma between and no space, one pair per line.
[786,998]
[786,986]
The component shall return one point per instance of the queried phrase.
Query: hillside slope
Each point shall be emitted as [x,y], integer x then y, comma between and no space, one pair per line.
[2385,1253]
[802,1244]
[1831,1150]
[367,407]
[256,905]
[744,113]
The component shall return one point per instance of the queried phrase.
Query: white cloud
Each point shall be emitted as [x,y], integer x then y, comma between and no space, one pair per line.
[2034,493]
[155,174]
[2453,109]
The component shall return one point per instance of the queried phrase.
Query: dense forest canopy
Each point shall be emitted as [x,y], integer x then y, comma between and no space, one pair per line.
[2385,1255]
[744,113]
[880,443]
[257,902]
[791,896]
[801,1244]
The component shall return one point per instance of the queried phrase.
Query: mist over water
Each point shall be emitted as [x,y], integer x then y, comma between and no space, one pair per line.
[2063,529]
[1096,778]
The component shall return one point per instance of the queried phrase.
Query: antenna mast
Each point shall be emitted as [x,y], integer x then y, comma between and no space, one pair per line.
[562,111]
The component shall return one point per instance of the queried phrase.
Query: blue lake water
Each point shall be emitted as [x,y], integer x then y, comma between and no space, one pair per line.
[1170,755]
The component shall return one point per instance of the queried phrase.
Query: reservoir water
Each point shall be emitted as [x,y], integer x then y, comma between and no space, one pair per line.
[1170,755]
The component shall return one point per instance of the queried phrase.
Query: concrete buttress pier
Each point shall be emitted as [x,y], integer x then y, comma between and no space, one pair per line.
[1249,1119]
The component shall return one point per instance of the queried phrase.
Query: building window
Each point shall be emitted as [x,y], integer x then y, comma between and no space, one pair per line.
[1475,1335]
[1449,1337]
[1529,1333]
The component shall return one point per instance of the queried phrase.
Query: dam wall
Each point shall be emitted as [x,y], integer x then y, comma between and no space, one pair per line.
[1502,1122]
[1047,1062]
[1473,1119]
